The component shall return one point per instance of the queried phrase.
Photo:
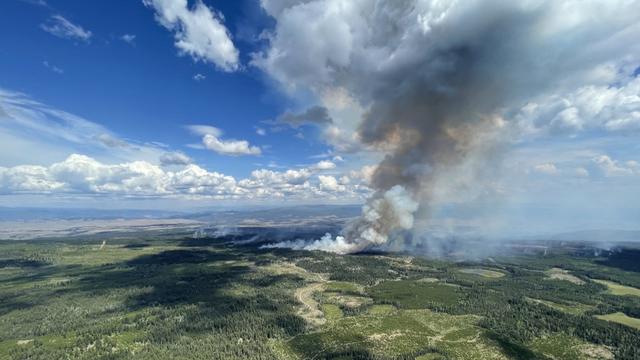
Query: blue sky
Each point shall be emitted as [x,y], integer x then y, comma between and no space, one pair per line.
[144,90]
[188,104]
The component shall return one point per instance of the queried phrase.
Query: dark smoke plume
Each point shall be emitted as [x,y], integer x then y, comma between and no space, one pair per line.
[439,80]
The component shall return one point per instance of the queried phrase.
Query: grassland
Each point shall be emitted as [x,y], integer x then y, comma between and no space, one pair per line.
[565,275]
[621,318]
[617,289]
[572,308]
[561,346]
[180,298]
[491,274]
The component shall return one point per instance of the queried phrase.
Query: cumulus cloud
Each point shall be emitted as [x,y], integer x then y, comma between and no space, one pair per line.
[199,77]
[609,167]
[547,168]
[175,158]
[229,147]
[211,141]
[329,183]
[324,165]
[81,174]
[27,178]
[198,31]
[611,108]
[59,26]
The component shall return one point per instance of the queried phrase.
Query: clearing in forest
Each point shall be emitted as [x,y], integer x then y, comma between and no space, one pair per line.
[621,318]
[617,289]
[492,274]
[562,274]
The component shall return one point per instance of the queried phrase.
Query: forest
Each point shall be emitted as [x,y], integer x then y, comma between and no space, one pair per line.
[174,297]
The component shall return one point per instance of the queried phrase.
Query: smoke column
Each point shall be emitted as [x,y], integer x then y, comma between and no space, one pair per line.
[440,81]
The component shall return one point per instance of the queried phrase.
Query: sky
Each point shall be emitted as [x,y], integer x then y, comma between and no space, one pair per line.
[195,104]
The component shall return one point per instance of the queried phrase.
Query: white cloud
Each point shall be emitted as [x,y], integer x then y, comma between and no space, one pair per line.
[198,31]
[229,147]
[199,77]
[260,131]
[608,108]
[59,26]
[119,168]
[27,178]
[211,141]
[129,39]
[329,183]
[324,165]
[83,175]
[547,168]
[52,67]
[581,172]
[612,168]
[175,158]
[204,130]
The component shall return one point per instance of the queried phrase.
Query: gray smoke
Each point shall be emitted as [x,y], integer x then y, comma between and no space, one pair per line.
[439,81]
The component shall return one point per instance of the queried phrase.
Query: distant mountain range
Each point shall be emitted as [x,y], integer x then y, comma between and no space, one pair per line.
[599,235]
[263,214]
[278,215]
[293,216]
[25,213]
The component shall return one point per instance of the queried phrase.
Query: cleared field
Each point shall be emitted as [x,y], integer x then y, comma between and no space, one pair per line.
[617,289]
[381,309]
[621,318]
[402,333]
[574,309]
[331,312]
[492,274]
[343,287]
[562,274]
[565,347]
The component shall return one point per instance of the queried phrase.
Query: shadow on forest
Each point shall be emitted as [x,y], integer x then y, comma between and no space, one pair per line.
[136,246]
[626,259]
[22,263]
[514,350]
[197,284]
[9,304]
[217,240]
